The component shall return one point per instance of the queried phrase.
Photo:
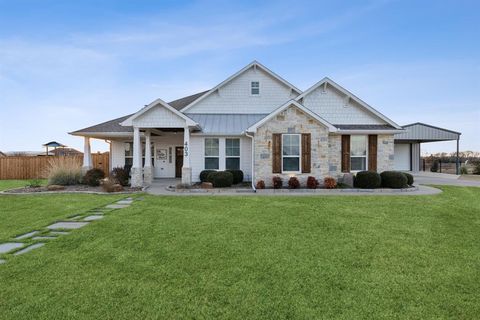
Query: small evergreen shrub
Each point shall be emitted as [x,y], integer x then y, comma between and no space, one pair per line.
[93,176]
[204,175]
[121,175]
[393,179]
[237,176]
[434,167]
[34,183]
[293,183]
[260,184]
[220,179]
[277,182]
[409,178]
[329,183]
[312,183]
[367,180]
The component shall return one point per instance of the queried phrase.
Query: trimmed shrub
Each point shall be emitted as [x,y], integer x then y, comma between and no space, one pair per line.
[393,179]
[293,183]
[367,180]
[260,184]
[434,167]
[312,183]
[64,171]
[121,175]
[409,178]
[329,183]
[237,176]
[204,175]
[220,179]
[277,182]
[93,176]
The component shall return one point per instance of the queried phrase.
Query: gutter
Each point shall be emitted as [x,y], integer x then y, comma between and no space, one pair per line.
[253,160]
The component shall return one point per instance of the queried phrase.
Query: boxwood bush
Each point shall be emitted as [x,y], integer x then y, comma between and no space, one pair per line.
[367,180]
[237,175]
[394,179]
[220,179]
[93,176]
[409,178]
[204,175]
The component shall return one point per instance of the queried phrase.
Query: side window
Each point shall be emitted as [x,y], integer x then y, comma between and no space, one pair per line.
[291,153]
[358,153]
[211,153]
[255,88]
[232,154]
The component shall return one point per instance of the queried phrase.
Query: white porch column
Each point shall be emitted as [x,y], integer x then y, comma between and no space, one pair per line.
[136,171]
[87,156]
[186,169]
[147,168]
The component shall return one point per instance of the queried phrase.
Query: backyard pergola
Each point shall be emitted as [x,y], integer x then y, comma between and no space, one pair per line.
[407,144]
[54,145]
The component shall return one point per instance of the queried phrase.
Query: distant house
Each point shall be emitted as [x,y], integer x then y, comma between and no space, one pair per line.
[65,152]
[262,124]
[2,154]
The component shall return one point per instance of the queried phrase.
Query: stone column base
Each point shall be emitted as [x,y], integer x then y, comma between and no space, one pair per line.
[187,175]
[85,169]
[136,177]
[147,175]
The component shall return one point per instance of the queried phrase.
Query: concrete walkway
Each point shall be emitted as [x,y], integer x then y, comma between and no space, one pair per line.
[446,179]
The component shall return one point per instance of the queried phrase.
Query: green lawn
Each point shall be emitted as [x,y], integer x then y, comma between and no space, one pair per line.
[254,258]
[11,184]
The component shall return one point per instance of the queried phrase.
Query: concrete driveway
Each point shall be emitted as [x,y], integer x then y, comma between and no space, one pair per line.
[446,179]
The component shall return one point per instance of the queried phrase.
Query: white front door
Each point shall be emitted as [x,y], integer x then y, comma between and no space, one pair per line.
[164,161]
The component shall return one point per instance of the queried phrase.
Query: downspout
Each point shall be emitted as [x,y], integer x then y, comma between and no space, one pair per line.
[253,161]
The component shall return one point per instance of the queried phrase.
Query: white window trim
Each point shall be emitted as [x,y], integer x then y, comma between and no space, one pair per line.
[218,156]
[239,154]
[299,152]
[365,156]
[259,88]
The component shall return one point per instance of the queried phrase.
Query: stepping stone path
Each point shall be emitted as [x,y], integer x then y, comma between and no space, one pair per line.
[56,228]
[92,218]
[27,235]
[29,248]
[44,238]
[9,246]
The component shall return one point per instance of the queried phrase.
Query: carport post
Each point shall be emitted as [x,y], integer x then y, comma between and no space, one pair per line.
[457,164]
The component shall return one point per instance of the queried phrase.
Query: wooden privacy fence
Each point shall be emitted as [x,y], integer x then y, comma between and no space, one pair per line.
[35,167]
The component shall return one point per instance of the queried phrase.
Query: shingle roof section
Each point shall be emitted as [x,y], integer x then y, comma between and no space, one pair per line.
[364,126]
[114,125]
[225,123]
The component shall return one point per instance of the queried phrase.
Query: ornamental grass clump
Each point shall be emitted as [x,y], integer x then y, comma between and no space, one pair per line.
[64,171]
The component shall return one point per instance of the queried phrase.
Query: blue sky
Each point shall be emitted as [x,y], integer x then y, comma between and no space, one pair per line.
[65,65]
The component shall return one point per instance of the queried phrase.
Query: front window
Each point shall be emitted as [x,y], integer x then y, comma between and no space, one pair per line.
[211,153]
[232,154]
[291,153]
[129,153]
[358,153]
[255,88]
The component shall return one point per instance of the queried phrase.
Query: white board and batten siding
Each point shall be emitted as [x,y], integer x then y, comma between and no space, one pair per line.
[334,107]
[235,96]
[159,117]
[197,162]
[117,157]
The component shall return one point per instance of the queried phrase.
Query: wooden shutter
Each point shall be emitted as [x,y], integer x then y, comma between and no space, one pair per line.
[372,152]
[276,153]
[345,153]
[306,152]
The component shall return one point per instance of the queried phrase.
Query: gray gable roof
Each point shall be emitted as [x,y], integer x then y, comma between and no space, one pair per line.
[114,125]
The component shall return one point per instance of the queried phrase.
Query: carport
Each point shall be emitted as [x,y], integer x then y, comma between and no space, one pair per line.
[408,144]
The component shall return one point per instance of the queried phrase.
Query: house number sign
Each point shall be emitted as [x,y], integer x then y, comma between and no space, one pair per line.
[185,149]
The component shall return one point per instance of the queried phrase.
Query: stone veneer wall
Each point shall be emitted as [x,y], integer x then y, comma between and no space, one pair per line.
[335,156]
[291,120]
[385,154]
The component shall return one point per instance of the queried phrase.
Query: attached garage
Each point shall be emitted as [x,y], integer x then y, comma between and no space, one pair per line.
[408,144]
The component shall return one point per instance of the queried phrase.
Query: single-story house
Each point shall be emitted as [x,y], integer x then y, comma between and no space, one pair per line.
[260,123]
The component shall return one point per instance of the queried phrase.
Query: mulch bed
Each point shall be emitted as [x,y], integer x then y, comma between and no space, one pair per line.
[74,188]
